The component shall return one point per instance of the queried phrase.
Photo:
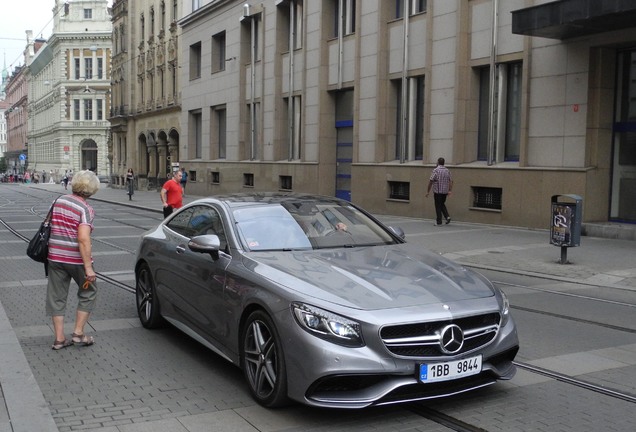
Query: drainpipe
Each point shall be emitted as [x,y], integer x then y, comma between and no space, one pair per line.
[340,42]
[493,74]
[290,100]
[253,90]
[405,82]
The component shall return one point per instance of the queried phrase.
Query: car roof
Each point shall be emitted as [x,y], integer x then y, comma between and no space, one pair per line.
[268,198]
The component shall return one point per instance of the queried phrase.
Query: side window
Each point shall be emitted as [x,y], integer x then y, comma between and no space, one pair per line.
[181,223]
[206,220]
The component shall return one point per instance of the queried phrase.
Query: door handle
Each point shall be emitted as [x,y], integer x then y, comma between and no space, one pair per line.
[180,249]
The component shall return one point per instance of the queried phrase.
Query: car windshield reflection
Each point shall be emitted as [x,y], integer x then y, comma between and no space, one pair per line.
[301,226]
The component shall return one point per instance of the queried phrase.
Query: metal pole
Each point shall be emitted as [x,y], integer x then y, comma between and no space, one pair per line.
[564,255]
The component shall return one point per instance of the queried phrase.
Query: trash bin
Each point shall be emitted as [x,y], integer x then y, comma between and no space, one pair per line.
[565,226]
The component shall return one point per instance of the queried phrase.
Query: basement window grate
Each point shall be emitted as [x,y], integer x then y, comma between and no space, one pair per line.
[399,190]
[487,197]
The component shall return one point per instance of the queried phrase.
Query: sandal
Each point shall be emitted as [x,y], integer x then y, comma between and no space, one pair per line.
[83,340]
[58,345]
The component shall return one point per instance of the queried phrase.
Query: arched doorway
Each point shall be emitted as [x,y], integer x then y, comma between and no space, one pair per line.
[88,159]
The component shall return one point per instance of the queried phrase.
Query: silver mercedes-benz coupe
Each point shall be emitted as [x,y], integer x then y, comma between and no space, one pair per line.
[318,302]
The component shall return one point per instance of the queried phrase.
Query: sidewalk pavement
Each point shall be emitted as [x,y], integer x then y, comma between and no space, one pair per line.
[603,262]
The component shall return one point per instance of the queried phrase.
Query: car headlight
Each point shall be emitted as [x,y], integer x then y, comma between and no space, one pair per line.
[327,325]
[505,309]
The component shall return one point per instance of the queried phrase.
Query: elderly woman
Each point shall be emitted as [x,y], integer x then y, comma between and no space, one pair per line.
[70,258]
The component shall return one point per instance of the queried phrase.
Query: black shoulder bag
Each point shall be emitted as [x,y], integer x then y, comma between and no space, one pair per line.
[38,249]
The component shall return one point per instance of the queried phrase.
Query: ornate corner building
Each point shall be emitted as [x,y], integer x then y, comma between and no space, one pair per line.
[146,110]
[69,91]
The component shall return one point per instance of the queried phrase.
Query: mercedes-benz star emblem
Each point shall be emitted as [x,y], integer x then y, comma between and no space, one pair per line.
[451,339]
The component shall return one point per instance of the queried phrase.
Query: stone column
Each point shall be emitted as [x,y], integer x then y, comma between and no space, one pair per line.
[152,169]
[162,150]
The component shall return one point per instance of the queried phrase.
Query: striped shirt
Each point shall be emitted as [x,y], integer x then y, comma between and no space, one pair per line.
[441,178]
[69,212]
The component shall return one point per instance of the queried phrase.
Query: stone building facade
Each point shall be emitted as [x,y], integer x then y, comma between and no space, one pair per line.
[69,91]
[16,115]
[145,116]
[358,99]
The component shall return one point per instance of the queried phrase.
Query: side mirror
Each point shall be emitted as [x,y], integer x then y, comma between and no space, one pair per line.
[208,243]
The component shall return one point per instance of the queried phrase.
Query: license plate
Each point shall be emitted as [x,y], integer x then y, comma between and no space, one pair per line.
[451,370]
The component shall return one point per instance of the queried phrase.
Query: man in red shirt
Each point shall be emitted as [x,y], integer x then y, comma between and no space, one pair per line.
[172,194]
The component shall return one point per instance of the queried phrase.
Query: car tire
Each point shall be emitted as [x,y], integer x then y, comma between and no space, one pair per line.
[263,362]
[146,295]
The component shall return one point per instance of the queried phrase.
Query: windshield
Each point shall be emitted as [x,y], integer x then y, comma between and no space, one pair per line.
[307,225]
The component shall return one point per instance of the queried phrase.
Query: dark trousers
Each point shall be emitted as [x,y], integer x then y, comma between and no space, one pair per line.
[167,211]
[440,207]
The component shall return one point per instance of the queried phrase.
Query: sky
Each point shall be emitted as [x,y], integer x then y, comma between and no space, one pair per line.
[18,16]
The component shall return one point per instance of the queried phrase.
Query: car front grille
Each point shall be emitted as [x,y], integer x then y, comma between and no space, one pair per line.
[423,339]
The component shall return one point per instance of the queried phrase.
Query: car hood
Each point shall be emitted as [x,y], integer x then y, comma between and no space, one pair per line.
[377,277]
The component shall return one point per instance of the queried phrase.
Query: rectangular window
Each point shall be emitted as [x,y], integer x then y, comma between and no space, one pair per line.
[221,124]
[100,109]
[248,179]
[251,44]
[88,68]
[291,18]
[218,52]
[487,197]
[151,82]
[294,111]
[505,116]
[142,90]
[100,68]
[344,17]
[88,109]
[88,13]
[399,190]
[216,177]
[195,133]
[483,112]
[253,129]
[409,142]
[162,84]
[285,182]
[76,109]
[77,70]
[195,61]
[415,7]
[175,90]
[163,16]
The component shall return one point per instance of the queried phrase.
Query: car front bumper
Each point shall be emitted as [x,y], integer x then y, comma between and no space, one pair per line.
[320,373]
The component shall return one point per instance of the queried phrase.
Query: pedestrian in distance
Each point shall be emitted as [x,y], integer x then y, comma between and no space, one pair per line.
[441,182]
[70,257]
[184,179]
[172,194]
[65,180]
[130,183]
[43,176]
